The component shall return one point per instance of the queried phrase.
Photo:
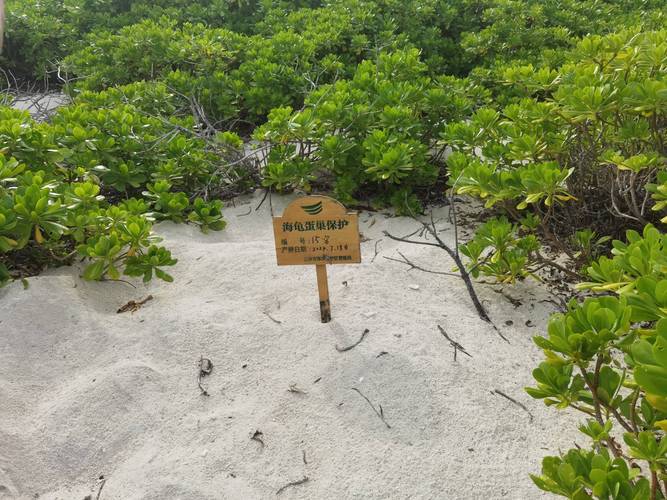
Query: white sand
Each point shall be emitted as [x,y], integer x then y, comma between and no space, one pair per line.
[86,392]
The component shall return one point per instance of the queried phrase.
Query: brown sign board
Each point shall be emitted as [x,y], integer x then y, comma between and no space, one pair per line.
[317,230]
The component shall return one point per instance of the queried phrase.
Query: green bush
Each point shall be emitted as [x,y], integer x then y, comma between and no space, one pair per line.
[150,50]
[607,358]
[76,185]
[584,147]
[38,35]
[234,77]
[372,133]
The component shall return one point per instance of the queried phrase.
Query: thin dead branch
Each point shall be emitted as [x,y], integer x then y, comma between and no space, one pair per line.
[430,229]
[303,480]
[278,322]
[515,402]
[376,249]
[454,343]
[415,266]
[515,302]
[363,336]
[379,413]
[257,436]
[205,369]
[462,272]
[100,484]
[102,481]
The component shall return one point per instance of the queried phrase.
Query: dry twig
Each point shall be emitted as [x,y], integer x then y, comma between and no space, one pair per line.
[272,318]
[515,402]
[454,343]
[515,302]
[257,436]
[205,369]
[379,413]
[363,335]
[430,229]
[415,266]
[100,484]
[304,479]
[376,250]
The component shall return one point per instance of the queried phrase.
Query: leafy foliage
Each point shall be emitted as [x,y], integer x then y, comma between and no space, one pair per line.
[372,132]
[57,180]
[606,358]
[584,146]
[233,76]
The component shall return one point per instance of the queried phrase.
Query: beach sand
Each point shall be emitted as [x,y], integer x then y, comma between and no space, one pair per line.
[86,392]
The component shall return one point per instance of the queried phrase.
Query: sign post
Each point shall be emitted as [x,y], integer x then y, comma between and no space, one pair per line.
[317,230]
[323,290]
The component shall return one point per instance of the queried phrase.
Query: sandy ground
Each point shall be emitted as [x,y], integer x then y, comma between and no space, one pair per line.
[86,392]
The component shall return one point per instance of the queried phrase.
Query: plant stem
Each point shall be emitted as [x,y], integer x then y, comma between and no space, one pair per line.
[633,410]
[462,270]
[582,409]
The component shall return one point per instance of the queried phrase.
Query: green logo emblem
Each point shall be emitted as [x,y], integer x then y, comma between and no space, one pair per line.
[312,209]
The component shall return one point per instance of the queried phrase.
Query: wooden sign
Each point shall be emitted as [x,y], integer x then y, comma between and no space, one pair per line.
[317,230]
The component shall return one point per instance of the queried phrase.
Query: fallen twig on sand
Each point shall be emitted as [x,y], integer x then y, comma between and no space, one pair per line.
[380,413]
[363,335]
[102,480]
[430,229]
[303,455]
[454,343]
[376,250]
[560,306]
[415,266]
[118,281]
[133,305]
[304,479]
[100,484]
[272,318]
[453,253]
[515,402]
[257,436]
[205,369]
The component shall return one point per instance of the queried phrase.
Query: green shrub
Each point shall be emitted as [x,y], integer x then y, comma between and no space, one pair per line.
[40,213]
[584,147]
[150,50]
[606,357]
[38,35]
[373,133]
[234,77]
[70,186]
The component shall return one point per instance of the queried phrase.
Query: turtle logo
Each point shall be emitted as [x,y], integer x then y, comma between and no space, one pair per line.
[314,209]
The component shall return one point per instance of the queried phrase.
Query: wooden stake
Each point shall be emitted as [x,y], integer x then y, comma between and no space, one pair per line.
[323,289]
